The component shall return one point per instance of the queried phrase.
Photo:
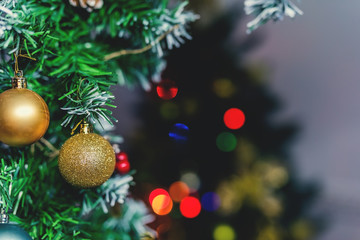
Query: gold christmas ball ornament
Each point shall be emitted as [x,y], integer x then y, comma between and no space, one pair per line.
[24,115]
[86,159]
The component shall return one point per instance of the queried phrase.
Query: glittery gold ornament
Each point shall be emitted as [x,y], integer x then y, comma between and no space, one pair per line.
[86,159]
[24,115]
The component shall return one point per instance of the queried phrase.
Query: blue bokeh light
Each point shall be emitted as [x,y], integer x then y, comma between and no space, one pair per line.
[210,201]
[179,132]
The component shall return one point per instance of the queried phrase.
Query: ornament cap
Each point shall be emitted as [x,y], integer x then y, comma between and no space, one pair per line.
[18,81]
[4,217]
[86,128]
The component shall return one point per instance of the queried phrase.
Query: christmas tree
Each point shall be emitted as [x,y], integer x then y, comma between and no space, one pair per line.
[216,136]
[64,173]
[59,60]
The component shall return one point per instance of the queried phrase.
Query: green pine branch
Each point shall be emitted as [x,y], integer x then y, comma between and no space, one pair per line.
[265,10]
[69,45]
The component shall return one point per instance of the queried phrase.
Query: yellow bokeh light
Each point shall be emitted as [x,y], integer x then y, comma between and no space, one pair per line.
[162,204]
[169,110]
[269,233]
[224,88]
[271,206]
[301,230]
[273,174]
[224,232]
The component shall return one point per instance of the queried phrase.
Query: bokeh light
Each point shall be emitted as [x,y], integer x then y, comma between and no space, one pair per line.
[192,180]
[179,132]
[274,175]
[178,191]
[224,232]
[190,207]
[210,201]
[162,204]
[167,89]
[224,88]
[234,118]
[226,141]
[157,192]
[169,110]
[230,201]
[301,229]
[271,206]
[273,232]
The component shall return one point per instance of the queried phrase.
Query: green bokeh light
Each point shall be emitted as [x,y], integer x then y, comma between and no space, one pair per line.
[226,141]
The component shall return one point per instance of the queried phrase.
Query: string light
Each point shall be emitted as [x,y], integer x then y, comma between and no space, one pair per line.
[234,118]
[157,192]
[167,89]
[179,132]
[162,204]
[178,191]
[210,201]
[224,232]
[192,180]
[190,207]
[226,141]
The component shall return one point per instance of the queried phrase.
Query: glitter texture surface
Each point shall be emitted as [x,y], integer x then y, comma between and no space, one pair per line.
[86,160]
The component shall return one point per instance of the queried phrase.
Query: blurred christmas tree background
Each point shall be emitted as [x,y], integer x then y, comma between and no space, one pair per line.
[199,155]
[244,178]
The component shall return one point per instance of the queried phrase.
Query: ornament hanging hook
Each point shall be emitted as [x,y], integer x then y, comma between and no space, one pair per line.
[18,80]
[76,126]
[85,127]
[16,64]
[17,55]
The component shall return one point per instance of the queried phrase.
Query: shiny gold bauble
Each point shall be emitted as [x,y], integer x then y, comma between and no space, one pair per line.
[86,160]
[24,117]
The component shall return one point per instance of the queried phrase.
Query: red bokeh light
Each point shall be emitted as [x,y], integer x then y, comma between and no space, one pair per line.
[190,207]
[167,89]
[234,118]
[157,192]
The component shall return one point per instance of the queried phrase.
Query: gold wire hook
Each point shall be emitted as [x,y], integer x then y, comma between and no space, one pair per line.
[17,57]
[85,127]
[77,125]
[16,64]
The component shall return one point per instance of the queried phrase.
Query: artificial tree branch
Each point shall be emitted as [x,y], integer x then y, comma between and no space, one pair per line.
[141,50]
[54,151]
